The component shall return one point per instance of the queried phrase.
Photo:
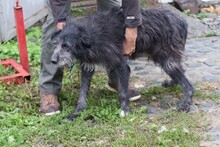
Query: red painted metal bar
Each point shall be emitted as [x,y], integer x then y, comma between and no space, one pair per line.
[20,75]
[21,36]
[21,71]
[16,3]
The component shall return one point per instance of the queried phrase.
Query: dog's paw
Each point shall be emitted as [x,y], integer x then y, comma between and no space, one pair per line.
[71,117]
[167,83]
[66,120]
[183,107]
[123,113]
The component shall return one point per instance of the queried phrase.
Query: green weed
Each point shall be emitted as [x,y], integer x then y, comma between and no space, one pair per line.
[201,16]
[82,12]
[211,34]
[10,49]
[22,125]
[5,71]
[187,12]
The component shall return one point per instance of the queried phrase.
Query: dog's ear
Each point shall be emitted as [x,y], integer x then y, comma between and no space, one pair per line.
[85,38]
[55,34]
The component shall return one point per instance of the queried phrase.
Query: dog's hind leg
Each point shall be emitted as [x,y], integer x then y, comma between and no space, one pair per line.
[176,72]
[86,77]
[172,82]
[123,76]
[169,83]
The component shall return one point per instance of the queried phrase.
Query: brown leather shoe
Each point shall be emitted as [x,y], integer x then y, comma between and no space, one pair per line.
[49,104]
[132,93]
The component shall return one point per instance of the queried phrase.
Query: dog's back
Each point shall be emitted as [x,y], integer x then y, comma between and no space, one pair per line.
[161,33]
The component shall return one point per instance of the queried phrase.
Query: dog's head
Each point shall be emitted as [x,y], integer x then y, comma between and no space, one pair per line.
[69,45]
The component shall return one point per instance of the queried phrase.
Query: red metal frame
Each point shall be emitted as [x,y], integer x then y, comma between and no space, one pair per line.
[21,36]
[21,70]
[19,77]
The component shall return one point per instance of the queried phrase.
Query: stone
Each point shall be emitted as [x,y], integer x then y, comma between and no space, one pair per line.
[130,62]
[208,78]
[203,51]
[162,129]
[215,46]
[209,63]
[137,68]
[164,104]
[142,73]
[216,129]
[165,1]
[193,109]
[194,46]
[151,109]
[215,72]
[138,86]
[206,106]
[214,136]
[60,145]
[193,65]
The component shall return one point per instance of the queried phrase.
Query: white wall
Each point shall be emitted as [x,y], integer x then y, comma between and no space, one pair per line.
[33,10]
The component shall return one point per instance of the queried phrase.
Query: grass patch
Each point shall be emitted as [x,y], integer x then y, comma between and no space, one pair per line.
[9,49]
[22,125]
[201,16]
[160,91]
[211,34]
[207,96]
[82,12]
[5,71]
[206,91]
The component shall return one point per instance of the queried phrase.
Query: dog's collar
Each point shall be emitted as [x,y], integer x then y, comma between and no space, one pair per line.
[71,70]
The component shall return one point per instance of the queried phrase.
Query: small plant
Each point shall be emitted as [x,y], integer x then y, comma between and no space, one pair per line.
[187,12]
[82,12]
[9,49]
[4,71]
[211,34]
[201,16]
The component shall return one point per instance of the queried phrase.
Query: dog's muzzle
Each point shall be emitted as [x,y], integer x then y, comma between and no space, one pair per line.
[54,58]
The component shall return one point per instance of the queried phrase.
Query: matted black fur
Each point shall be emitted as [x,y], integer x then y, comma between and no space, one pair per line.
[98,38]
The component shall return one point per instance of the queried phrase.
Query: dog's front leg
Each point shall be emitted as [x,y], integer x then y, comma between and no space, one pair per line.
[86,77]
[123,73]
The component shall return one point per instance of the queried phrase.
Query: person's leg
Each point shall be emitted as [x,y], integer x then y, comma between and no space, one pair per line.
[133,94]
[50,79]
[105,5]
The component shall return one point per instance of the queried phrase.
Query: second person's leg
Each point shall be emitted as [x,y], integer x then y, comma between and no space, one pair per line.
[105,5]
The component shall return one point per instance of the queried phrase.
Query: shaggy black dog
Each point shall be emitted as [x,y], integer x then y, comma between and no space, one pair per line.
[97,39]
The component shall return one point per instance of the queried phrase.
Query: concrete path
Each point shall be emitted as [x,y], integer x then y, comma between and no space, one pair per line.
[202,63]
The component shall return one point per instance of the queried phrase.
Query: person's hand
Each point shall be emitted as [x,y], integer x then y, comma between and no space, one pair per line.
[60,25]
[130,41]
